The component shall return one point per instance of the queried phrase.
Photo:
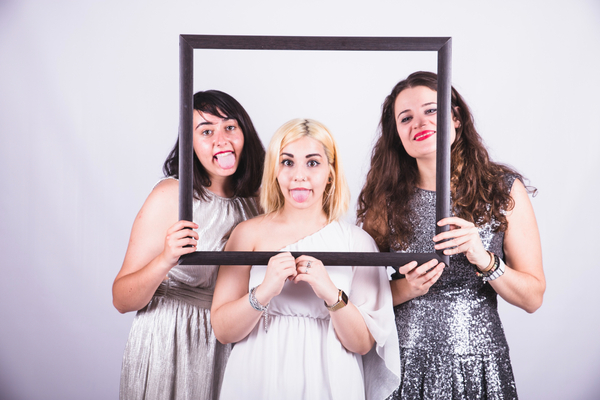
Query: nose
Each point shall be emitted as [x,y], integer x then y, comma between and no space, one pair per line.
[418,122]
[299,175]
[219,137]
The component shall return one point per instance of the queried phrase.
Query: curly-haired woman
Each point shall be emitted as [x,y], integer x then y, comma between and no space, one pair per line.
[452,344]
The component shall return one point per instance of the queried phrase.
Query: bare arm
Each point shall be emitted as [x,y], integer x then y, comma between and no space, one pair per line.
[155,245]
[232,316]
[523,283]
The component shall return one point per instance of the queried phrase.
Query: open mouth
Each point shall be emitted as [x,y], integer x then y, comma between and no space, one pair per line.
[423,135]
[225,159]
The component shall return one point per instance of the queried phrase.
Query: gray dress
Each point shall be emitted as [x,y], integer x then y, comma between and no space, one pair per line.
[172,352]
[452,344]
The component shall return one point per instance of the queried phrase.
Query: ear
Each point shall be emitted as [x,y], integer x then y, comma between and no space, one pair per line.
[455,114]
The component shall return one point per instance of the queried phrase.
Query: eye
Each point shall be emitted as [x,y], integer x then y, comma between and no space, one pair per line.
[405,119]
[231,128]
[286,162]
[206,132]
[313,163]
[431,111]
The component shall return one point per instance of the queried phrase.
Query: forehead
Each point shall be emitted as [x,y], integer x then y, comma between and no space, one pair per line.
[414,97]
[202,116]
[304,145]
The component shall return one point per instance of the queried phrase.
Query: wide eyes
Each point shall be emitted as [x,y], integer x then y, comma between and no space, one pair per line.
[290,163]
[229,129]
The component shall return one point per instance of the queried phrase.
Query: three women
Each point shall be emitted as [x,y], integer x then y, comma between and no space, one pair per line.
[301,328]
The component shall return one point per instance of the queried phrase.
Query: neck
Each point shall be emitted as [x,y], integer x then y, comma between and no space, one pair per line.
[306,220]
[427,174]
[220,186]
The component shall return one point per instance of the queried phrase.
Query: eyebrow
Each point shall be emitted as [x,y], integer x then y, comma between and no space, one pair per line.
[211,123]
[307,156]
[424,105]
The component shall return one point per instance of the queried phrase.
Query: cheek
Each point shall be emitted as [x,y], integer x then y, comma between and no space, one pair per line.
[404,137]
[203,149]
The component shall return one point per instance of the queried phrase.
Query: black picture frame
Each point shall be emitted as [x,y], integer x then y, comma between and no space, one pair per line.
[187,44]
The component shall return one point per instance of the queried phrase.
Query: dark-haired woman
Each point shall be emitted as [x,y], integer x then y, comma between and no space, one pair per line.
[452,344]
[172,352]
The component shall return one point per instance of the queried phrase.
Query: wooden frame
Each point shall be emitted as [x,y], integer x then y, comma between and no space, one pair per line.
[187,43]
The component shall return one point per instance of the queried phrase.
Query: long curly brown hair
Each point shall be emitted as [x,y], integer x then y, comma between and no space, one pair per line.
[478,189]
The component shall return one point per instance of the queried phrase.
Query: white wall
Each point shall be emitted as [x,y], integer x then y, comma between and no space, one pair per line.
[89,110]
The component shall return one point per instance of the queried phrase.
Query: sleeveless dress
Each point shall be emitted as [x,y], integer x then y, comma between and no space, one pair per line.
[452,344]
[172,352]
[299,356]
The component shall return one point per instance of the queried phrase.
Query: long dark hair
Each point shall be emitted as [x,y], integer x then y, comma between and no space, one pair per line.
[479,190]
[245,182]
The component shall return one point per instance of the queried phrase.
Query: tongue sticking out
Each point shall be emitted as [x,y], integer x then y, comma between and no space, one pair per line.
[300,195]
[226,160]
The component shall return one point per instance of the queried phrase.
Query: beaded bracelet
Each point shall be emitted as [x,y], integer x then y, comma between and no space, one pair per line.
[495,272]
[490,271]
[259,307]
[498,272]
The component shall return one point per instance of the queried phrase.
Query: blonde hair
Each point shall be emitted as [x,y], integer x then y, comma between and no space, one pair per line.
[337,194]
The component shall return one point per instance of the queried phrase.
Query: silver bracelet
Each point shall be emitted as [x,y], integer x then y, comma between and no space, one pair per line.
[497,273]
[259,307]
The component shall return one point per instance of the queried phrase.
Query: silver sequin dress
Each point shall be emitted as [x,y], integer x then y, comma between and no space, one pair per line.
[172,352]
[452,344]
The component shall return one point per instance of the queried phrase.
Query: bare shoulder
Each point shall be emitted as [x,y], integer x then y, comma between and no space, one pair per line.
[520,196]
[166,189]
[160,210]
[245,234]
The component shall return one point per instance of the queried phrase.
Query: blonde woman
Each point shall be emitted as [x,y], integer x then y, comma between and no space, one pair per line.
[301,329]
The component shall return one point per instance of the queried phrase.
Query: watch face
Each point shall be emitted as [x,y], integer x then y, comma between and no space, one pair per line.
[344,297]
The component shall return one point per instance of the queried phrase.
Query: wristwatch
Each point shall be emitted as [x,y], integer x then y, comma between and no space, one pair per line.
[341,303]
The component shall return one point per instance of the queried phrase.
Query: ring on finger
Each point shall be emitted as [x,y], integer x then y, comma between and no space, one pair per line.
[308,266]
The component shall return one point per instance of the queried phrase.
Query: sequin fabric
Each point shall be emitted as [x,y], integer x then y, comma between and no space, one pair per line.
[452,344]
[172,352]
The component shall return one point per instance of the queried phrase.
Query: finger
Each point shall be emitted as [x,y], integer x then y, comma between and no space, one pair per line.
[423,269]
[179,225]
[302,278]
[452,234]
[454,221]
[434,275]
[455,242]
[406,268]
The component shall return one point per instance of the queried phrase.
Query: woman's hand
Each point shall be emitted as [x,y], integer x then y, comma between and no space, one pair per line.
[417,280]
[281,267]
[181,239]
[463,238]
[313,272]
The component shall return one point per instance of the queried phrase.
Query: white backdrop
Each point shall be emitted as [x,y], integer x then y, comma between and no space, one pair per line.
[89,111]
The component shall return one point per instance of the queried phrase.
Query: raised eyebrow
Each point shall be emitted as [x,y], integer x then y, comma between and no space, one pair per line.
[430,103]
[204,123]
[286,154]
[313,155]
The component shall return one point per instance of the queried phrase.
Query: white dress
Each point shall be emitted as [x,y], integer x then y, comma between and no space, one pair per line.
[300,357]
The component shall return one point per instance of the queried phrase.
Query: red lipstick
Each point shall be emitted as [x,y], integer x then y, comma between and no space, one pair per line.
[423,135]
